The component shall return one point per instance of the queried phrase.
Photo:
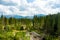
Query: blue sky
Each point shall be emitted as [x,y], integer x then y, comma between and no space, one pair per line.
[30,1]
[29,7]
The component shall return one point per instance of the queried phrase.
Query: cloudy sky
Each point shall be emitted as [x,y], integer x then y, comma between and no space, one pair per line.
[29,7]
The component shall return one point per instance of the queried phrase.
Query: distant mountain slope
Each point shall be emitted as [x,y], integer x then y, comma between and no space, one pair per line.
[18,16]
[38,15]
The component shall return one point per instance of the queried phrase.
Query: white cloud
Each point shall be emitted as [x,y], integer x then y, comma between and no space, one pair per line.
[30,9]
[4,10]
[46,6]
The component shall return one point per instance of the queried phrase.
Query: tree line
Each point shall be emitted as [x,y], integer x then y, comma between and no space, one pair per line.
[49,24]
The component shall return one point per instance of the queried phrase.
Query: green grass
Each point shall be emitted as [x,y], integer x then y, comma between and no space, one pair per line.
[21,35]
[10,36]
